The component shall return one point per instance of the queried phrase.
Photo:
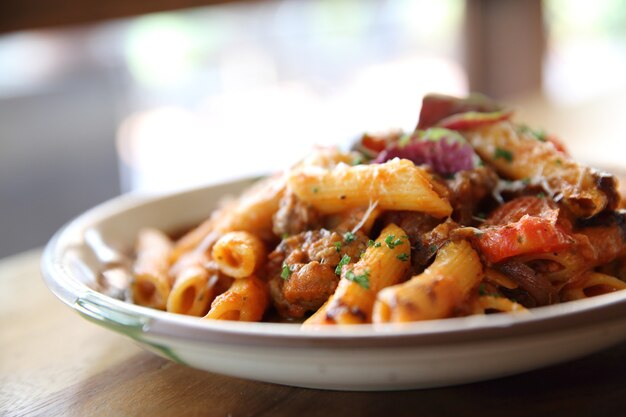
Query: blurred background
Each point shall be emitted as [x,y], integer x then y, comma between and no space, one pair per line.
[100,98]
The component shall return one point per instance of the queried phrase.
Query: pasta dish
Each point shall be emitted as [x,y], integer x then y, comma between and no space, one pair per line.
[470,213]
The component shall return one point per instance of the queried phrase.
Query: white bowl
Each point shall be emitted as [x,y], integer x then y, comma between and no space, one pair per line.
[360,357]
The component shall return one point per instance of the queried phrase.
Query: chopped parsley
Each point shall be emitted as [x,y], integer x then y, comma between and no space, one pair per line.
[362,279]
[285,236]
[504,154]
[374,244]
[315,190]
[337,246]
[349,237]
[392,242]
[559,162]
[357,160]
[538,134]
[432,248]
[403,257]
[482,290]
[344,261]
[286,272]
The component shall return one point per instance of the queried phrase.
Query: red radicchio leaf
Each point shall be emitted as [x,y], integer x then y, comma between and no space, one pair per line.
[436,107]
[445,151]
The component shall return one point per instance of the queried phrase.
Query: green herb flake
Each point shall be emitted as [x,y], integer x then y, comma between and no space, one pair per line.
[362,279]
[315,190]
[349,237]
[482,289]
[337,246]
[559,161]
[371,243]
[285,236]
[286,272]
[503,154]
[403,257]
[357,160]
[392,242]
[432,248]
[377,245]
[345,260]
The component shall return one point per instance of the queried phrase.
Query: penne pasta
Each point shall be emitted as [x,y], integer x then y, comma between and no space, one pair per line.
[394,185]
[436,292]
[238,254]
[385,262]
[521,156]
[252,212]
[191,293]
[151,282]
[590,284]
[245,300]
[480,214]
[491,304]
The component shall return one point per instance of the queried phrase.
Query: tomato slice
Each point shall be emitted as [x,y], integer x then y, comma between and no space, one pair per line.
[527,236]
[525,225]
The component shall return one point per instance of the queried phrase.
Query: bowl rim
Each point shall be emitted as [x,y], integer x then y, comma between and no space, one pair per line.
[141,322]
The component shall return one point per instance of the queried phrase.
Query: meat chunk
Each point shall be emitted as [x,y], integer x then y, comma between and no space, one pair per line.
[301,269]
[294,216]
[466,191]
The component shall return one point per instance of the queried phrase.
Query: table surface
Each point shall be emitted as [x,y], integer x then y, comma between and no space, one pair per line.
[52,362]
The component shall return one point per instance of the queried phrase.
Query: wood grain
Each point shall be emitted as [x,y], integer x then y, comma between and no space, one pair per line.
[54,363]
[18,15]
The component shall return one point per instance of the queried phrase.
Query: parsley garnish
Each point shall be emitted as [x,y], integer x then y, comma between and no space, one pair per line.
[357,160]
[344,261]
[370,243]
[432,248]
[286,272]
[315,190]
[349,237]
[337,246]
[403,257]
[363,279]
[482,290]
[504,154]
[392,242]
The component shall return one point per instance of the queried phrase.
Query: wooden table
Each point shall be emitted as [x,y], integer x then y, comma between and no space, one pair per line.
[52,363]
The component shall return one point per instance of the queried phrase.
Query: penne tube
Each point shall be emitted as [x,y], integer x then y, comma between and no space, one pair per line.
[238,254]
[245,300]
[394,185]
[435,293]
[252,212]
[192,292]
[590,284]
[521,156]
[151,282]
[383,263]
[490,303]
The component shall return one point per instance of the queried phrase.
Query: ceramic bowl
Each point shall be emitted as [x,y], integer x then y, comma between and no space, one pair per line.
[360,357]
